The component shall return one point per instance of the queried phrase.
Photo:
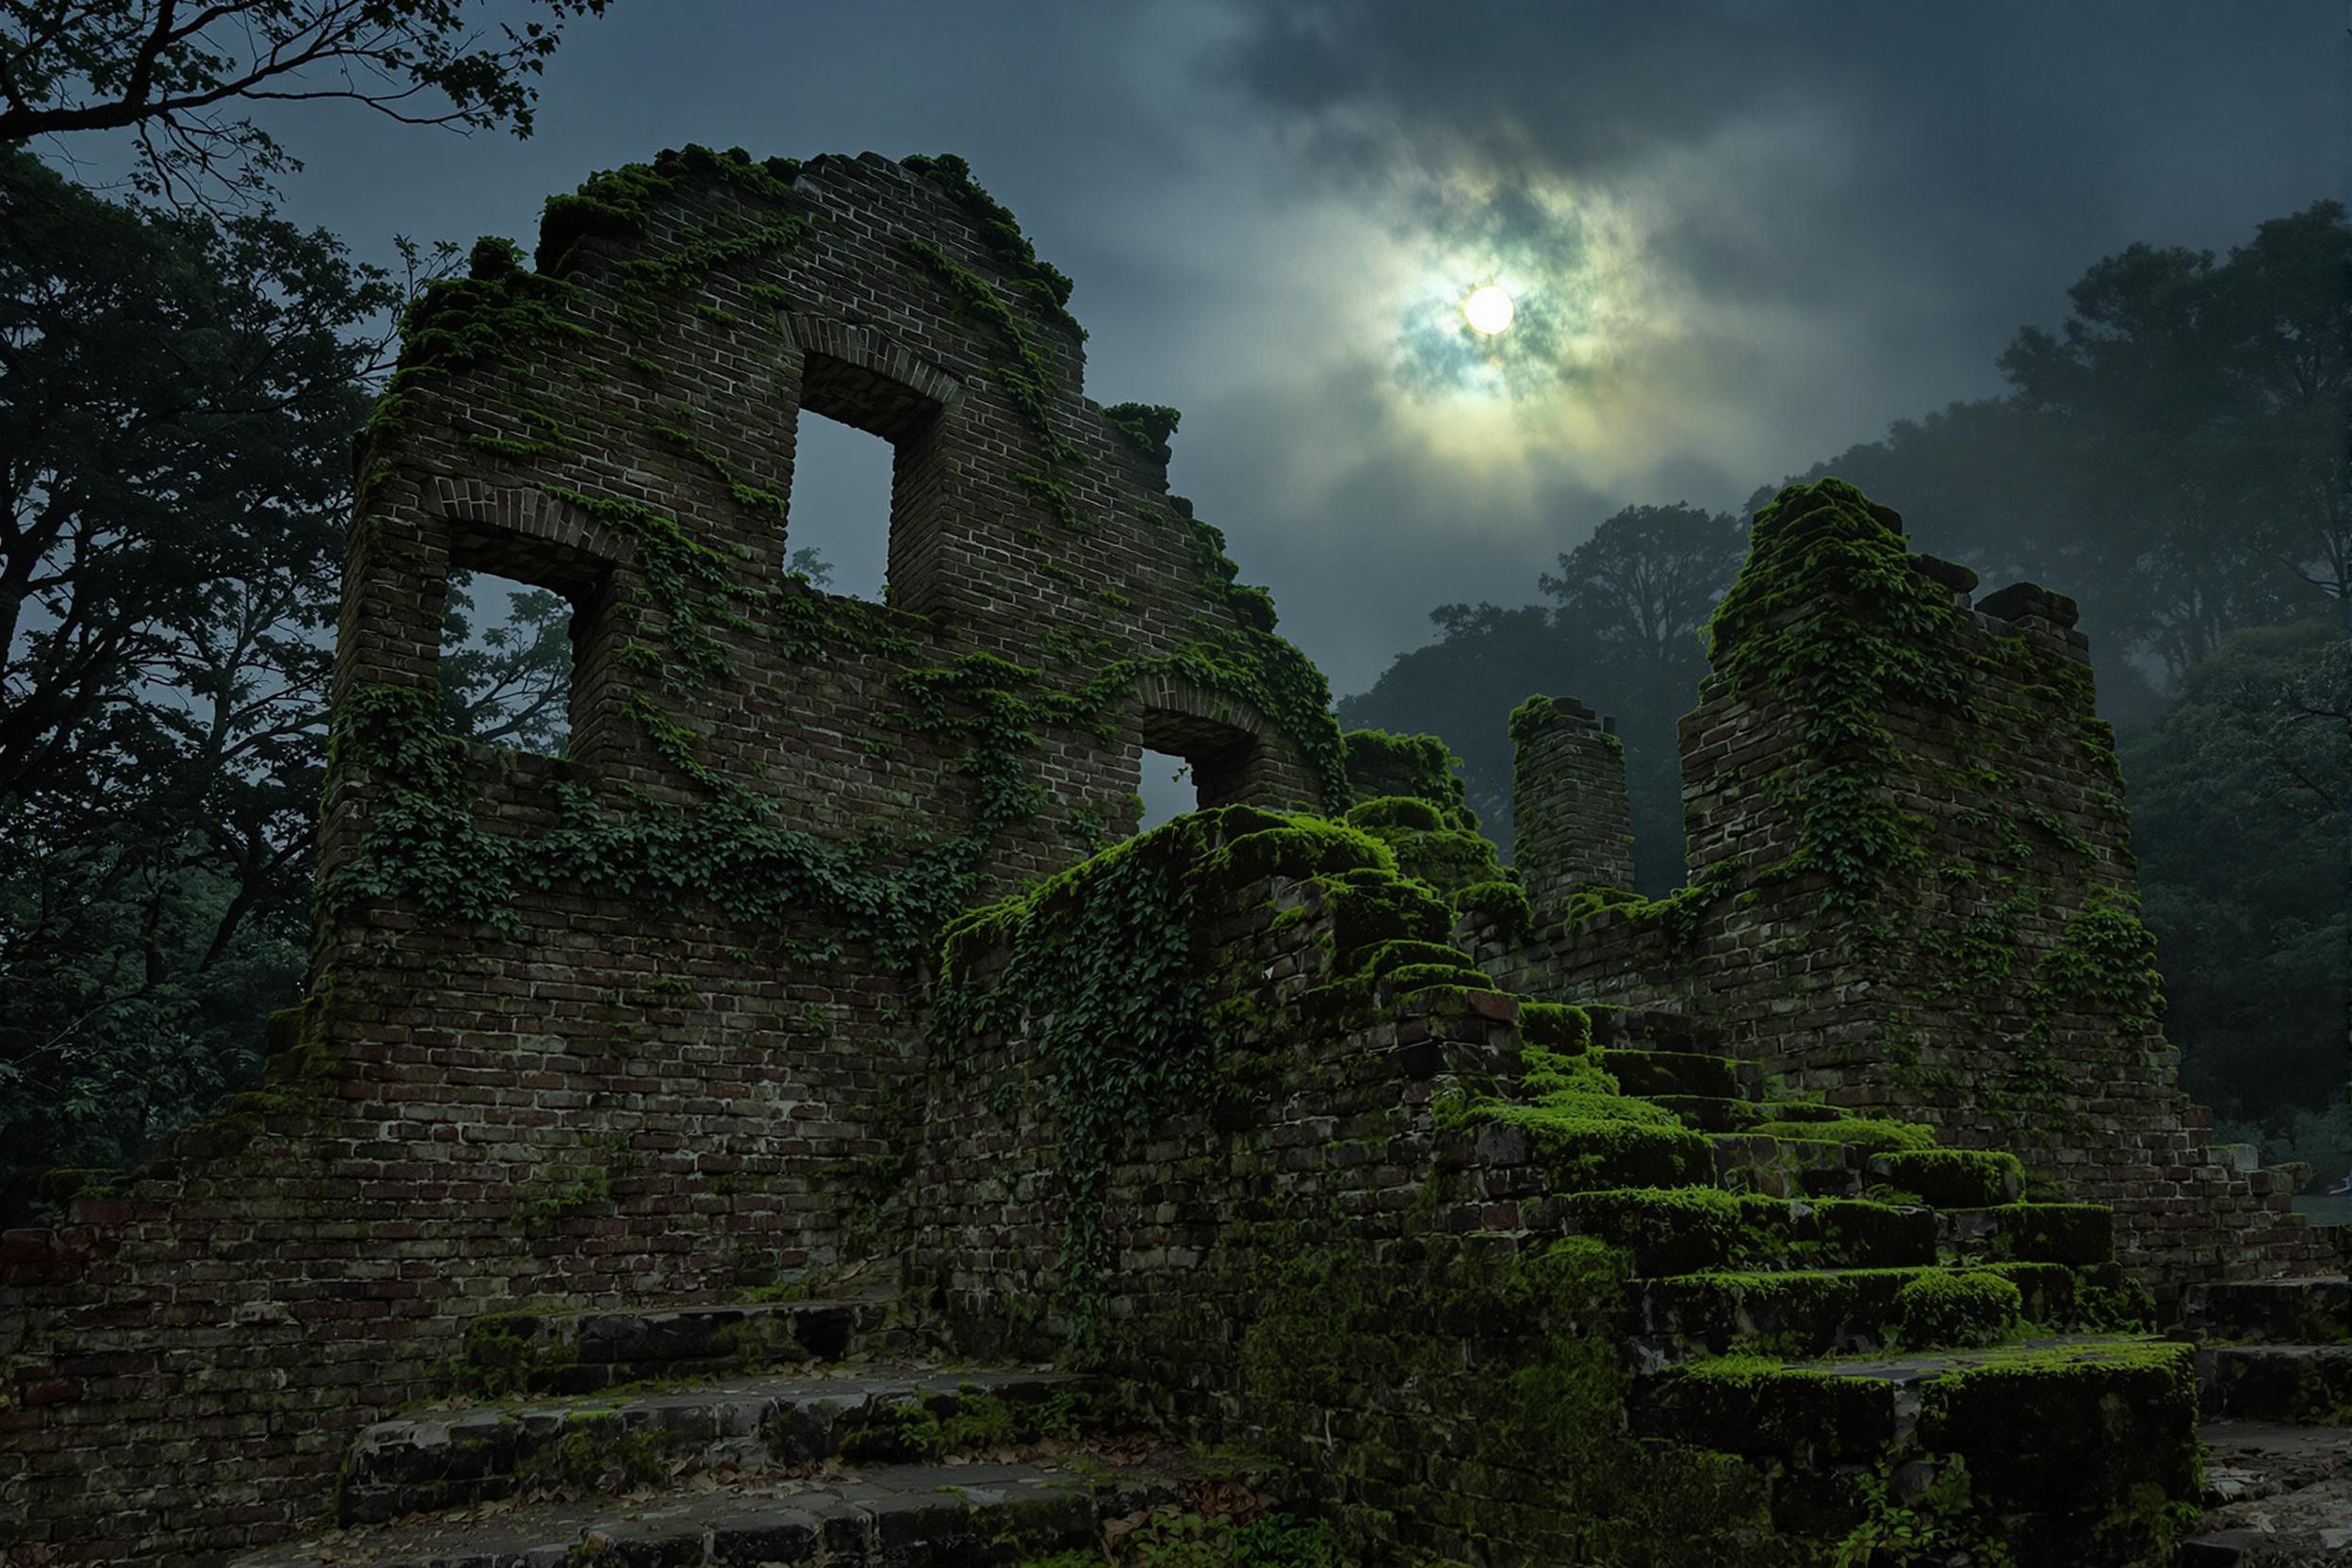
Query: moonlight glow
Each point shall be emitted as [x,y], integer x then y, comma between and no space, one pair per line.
[1489,310]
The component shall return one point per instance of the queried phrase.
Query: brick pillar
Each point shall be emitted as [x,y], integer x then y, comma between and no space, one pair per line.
[1574,828]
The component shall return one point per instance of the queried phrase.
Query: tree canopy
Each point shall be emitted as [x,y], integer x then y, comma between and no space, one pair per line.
[177,403]
[2174,455]
[177,75]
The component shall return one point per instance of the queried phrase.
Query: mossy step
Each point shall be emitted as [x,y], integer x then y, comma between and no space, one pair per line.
[1784,1168]
[2306,1384]
[421,1463]
[2078,1450]
[1591,1142]
[1817,1312]
[1707,1112]
[2311,1311]
[1653,1029]
[1711,1114]
[1951,1178]
[1686,1230]
[904,1516]
[1649,1073]
[511,1353]
[2028,1232]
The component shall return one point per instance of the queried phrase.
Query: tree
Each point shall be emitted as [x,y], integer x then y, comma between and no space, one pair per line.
[175,73]
[2173,454]
[1645,583]
[1463,688]
[1623,636]
[178,403]
[2238,803]
[507,681]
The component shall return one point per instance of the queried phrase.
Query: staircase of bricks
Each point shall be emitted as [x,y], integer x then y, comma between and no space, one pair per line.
[1848,1310]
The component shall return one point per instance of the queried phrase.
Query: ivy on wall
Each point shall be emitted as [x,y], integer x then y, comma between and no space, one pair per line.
[726,849]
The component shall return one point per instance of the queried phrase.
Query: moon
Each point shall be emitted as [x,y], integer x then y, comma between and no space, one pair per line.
[1488,309]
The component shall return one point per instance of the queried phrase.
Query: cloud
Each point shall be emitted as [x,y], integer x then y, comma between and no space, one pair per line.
[1744,235]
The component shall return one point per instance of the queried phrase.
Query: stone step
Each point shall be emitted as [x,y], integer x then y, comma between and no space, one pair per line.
[2307,1384]
[1681,1072]
[1951,1178]
[2312,1311]
[898,1516]
[1684,1231]
[2274,1493]
[1839,1311]
[422,1463]
[1784,1168]
[2028,1232]
[513,1353]
[1714,1114]
[1651,1029]
[2112,1419]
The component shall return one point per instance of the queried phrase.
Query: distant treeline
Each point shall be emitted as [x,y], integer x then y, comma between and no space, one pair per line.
[2175,458]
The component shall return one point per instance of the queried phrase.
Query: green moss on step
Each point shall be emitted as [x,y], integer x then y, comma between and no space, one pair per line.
[1857,1132]
[1956,1310]
[1557,1027]
[1954,1178]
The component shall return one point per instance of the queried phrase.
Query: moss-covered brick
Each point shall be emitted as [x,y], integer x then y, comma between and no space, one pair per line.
[1857,1132]
[2033,1233]
[1589,1141]
[1706,1113]
[1759,1405]
[1499,906]
[2110,1473]
[1957,1308]
[1557,1027]
[1647,1072]
[1372,905]
[507,1354]
[1953,1178]
[1420,767]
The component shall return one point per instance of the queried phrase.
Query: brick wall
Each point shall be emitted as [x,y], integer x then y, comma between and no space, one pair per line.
[601,1086]
[1987,1002]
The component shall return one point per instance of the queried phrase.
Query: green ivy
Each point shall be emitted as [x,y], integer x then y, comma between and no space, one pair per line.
[1044,285]
[1880,636]
[1147,428]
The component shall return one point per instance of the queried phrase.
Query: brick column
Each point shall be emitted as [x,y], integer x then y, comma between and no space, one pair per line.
[1574,828]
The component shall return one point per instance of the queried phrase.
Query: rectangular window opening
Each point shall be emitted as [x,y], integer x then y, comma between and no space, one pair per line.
[506,664]
[1167,789]
[838,538]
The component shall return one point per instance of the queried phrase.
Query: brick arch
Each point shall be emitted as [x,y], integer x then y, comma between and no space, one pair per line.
[1237,756]
[862,369]
[526,534]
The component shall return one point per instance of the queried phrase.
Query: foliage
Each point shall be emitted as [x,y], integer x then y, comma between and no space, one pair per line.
[505,677]
[1623,637]
[166,71]
[1045,286]
[177,402]
[1147,428]
[1944,1523]
[1101,968]
[2173,454]
[2238,802]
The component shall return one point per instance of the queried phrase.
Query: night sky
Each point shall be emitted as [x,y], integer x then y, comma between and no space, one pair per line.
[1743,235]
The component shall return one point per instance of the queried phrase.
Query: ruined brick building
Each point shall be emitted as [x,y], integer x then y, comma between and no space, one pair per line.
[1504,1217]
